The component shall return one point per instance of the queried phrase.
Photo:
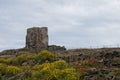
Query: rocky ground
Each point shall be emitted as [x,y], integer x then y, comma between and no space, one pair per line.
[91,64]
[97,64]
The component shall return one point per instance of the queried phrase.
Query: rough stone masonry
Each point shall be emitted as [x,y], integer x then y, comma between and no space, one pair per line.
[37,39]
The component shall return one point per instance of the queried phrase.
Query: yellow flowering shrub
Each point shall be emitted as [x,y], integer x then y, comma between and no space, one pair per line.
[61,64]
[45,55]
[13,70]
[66,74]
[57,70]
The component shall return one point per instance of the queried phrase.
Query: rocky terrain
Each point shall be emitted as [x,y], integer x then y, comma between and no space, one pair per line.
[91,64]
[100,64]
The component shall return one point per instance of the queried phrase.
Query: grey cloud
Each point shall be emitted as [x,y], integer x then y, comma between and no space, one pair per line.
[75,24]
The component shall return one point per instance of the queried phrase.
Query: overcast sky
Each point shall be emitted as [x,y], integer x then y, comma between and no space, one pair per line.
[72,23]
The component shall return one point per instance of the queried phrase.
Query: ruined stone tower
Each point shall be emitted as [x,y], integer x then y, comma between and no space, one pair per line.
[37,39]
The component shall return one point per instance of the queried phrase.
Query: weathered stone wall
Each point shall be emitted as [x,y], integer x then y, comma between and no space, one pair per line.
[37,39]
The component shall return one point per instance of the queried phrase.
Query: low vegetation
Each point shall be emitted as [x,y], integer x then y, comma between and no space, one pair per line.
[46,66]
[41,66]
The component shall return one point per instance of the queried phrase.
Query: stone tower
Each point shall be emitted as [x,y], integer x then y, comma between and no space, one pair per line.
[37,39]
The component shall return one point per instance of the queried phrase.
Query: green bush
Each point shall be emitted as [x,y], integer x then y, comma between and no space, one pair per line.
[19,60]
[61,64]
[66,74]
[2,68]
[12,70]
[30,57]
[2,60]
[9,61]
[24,68]
[6,61]
[37,67]
[45,55]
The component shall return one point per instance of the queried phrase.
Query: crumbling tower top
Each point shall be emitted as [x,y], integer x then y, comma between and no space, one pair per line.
[37,39]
